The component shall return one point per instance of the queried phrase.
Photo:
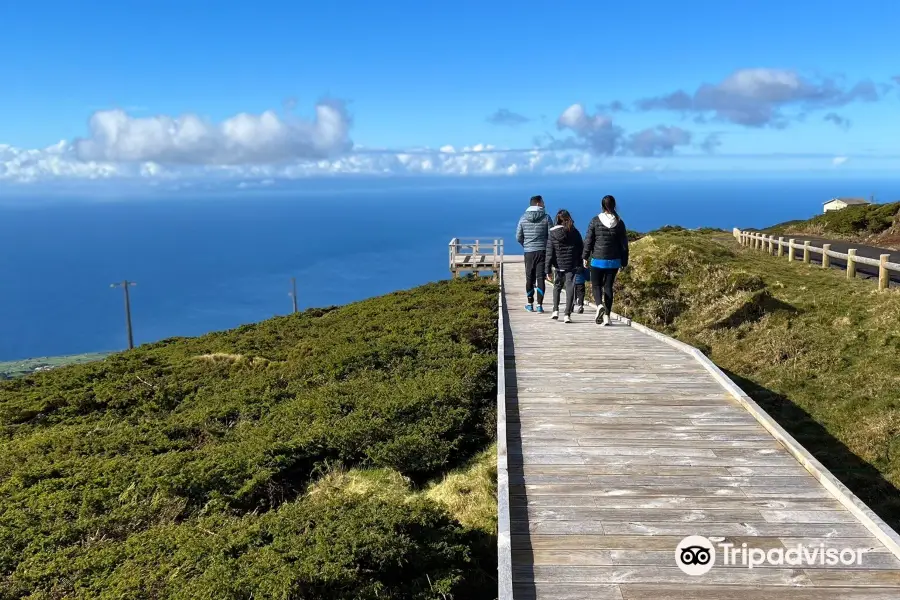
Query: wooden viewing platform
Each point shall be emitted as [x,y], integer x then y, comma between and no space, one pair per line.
[470,255]
[615,443]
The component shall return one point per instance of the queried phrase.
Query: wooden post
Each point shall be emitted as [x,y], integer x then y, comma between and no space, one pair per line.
[883,280]
[826,260]
[806,251]
[851,263]
[771,244]
[293,293]
[125,285]
[453,258]
[791,250]
[780,246]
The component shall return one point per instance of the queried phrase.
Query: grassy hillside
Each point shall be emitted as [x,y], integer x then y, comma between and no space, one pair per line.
[18,368]
[820,353]
[333,454]
[877,224]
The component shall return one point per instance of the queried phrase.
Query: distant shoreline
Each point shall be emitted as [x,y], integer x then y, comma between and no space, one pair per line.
[19,368]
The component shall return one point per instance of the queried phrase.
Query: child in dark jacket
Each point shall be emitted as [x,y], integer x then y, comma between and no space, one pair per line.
[564,246]
[579,289]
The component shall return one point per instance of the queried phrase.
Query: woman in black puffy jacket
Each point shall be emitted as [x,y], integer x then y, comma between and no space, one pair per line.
[605,252]
[563,252]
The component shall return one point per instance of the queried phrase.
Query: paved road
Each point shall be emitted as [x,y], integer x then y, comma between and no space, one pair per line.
[864,271]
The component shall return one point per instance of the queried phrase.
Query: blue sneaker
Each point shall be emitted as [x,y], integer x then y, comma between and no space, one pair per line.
[529,308]
[540,309]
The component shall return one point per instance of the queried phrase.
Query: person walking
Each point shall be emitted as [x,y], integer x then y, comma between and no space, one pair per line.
[564,247]
[605,252]
[532,233]
[579,289]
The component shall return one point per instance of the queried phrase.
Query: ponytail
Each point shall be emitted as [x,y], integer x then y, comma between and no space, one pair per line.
[609,205]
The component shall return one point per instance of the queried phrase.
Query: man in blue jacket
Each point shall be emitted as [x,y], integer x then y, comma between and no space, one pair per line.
[532,232]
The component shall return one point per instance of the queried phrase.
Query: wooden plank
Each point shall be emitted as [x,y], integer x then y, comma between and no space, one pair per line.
[658,574]
[666,558]
[635,542]
[653,515]
[567,487]
[668,543]
[620,469]
[679,502]
[848,577]
[530,591]
[719,592]
[742,528]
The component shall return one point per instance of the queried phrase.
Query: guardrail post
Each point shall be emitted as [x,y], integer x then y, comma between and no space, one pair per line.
[771,244]
[806,251]
[826,260]
[791,250]
[496,260]
[453,257]
[883,280]
[757,241]
[780,246]
[851,263]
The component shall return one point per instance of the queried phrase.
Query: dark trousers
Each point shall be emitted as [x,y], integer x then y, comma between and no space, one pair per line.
[534,276]
[602,281]
[566,278]
[579,294]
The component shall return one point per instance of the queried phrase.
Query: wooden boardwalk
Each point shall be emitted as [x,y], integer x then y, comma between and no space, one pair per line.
[620,445]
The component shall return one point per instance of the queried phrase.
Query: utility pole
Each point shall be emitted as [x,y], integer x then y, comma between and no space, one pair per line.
[293,293]
[125,285]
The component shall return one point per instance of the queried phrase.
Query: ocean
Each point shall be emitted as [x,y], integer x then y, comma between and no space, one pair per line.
[215,261]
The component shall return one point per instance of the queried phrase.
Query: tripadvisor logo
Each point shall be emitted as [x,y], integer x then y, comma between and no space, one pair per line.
[696,555]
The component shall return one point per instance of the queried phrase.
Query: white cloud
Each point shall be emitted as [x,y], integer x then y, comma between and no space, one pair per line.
[839,160]
[597,132]
[61,162]
[116,136]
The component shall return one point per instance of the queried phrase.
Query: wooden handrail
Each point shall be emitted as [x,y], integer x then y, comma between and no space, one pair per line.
[504,528]
[755,239]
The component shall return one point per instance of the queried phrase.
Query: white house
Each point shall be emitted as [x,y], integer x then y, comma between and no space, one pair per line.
[839,203]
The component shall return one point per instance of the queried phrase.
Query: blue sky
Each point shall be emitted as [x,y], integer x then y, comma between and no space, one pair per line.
[410,78]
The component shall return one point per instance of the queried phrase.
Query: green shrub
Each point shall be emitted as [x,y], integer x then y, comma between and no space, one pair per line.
[233,426]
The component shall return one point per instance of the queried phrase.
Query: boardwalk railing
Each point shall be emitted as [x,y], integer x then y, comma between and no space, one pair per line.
[475,256]
[504,540]
[779,247]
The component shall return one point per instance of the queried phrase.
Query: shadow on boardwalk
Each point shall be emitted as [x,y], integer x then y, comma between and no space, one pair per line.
[522,555]
[862,478]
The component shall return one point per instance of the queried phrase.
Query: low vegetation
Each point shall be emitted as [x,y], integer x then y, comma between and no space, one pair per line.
[333,454]
[819,352]
[876,224]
